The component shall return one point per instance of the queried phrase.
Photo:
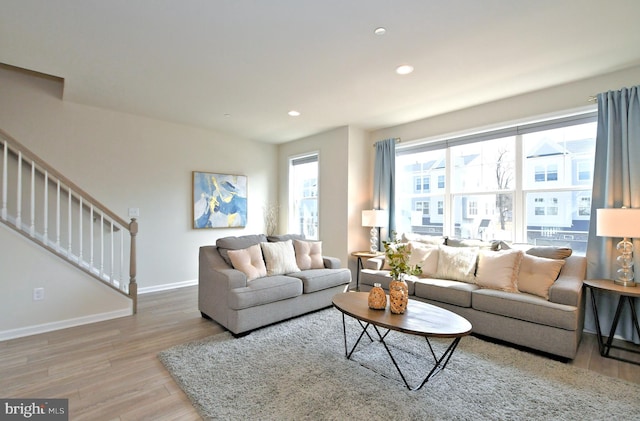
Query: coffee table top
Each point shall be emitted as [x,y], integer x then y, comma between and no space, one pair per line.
[419,319]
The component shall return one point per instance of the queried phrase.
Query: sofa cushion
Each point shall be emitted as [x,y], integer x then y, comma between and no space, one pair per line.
[318,279]
[308,254]
[498,269]
[284,237]
[383,277]
[249,261]
[264,290]
[237,243]
[537,274]
[422,238]
[550,252]
[426,256]
[445,291]
[526,307]
[467,242]
[279,257]
[457,263]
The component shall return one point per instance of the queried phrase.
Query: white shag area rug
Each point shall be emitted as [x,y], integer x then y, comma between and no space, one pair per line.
[297,370]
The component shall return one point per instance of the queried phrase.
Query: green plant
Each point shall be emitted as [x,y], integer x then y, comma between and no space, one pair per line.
[397,255]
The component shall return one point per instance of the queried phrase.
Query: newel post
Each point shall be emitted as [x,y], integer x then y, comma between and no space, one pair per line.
[133,286]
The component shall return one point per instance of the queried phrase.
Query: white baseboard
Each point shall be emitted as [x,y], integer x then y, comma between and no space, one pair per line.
[166,287]
[63,324]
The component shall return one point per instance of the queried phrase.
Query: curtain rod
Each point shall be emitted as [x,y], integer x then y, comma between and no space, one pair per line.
[397,139]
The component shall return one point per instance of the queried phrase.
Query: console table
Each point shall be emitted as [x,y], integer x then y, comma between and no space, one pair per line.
[627,295]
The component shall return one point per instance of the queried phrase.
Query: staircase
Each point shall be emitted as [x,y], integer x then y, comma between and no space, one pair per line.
[49,209]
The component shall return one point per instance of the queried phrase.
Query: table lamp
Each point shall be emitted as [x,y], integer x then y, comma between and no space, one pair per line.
[374,218]
[620,223]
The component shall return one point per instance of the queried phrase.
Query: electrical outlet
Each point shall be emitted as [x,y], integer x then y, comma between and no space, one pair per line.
[38,294]
[134,212]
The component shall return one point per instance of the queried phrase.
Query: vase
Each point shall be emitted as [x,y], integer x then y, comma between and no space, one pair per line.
[398,296]
[377,298]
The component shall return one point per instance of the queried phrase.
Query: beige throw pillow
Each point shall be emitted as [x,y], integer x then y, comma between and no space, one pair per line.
[249,261]
[457,263]
[308,254]
[537,274]
[280,257]
[426,256]
[498,269]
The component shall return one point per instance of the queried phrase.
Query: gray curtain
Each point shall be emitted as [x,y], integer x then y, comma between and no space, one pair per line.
[384,178]
[616,184]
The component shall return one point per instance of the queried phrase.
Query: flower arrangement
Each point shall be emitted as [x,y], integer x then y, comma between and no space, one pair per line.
[397,256]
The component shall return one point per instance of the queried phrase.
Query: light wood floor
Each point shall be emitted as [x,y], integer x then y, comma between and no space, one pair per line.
[109,370]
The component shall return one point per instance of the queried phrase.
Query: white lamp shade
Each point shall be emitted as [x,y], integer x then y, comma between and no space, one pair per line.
[375,218]
[618,222]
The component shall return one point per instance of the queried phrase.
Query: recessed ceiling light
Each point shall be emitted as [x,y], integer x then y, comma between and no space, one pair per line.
[294,113]
[380,31]
[405,69]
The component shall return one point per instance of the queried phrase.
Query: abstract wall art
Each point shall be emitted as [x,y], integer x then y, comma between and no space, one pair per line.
[219,200]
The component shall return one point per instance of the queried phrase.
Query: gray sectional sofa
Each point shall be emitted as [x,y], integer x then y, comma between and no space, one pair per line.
[235,291]
[511,301]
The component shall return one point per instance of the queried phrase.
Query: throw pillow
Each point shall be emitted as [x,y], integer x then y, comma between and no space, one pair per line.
[537,274]
[249,261]
[550,252]
[308,254]
[498,269]
[426,256]
[280,257]
[457,263]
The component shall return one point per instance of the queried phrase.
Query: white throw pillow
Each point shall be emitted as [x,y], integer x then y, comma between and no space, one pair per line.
[537,274]
[308,254]
[249,261]
[457,263]
[280,257]
[426,256]
[498,269]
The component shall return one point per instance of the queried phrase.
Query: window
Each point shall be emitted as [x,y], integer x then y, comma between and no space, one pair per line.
[584,170]
[423,208]
[303,195]
[472,208]
[529,183]
[422,184]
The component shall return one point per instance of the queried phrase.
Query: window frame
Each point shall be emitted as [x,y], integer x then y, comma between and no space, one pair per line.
[552,173]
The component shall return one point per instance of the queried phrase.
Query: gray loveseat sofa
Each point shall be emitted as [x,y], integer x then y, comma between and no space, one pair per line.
[243,301]
[537,307]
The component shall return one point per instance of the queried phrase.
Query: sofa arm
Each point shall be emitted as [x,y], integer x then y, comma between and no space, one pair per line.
[216,273]
[567,289]
[331,262]
[374,263]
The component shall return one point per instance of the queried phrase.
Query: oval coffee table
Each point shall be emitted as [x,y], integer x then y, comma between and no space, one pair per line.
[419,319]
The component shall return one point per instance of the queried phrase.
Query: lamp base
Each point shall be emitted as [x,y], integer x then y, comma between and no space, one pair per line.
[625,283]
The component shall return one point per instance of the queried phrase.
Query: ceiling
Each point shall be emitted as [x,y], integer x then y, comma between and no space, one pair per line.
[238,66]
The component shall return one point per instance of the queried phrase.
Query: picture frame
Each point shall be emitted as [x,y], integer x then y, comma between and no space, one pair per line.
[219,200]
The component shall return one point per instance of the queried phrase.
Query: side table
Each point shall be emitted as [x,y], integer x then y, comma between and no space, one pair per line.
[360,255]
[627,294]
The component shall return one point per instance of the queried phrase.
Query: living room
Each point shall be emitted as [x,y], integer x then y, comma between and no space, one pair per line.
[140,160]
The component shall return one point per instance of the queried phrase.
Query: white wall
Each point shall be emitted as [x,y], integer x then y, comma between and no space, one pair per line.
[540,103]
[127,161]
[69,294]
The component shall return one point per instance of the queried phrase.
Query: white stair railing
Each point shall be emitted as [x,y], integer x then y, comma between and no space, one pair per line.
[36,199]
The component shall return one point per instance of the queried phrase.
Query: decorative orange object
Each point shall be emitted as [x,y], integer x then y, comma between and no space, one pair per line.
[398,296]
[377,298]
